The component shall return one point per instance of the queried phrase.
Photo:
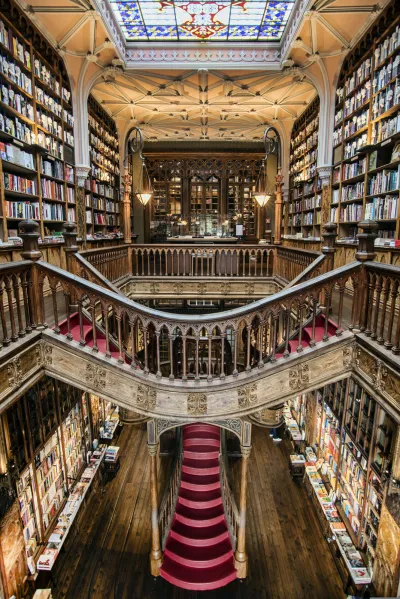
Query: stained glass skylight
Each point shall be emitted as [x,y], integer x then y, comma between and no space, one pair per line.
[202,20]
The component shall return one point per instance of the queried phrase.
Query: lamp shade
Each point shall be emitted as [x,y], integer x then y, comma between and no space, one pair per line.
[144,197]
[262,199]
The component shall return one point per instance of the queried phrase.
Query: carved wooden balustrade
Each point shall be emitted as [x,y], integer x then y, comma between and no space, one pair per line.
[230,506]
[17,302]
[168,502]
[114,263]
[379,315]
[202,261]
[186,347]
[291,263]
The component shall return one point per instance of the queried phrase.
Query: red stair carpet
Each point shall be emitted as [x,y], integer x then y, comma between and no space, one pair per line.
[198,554]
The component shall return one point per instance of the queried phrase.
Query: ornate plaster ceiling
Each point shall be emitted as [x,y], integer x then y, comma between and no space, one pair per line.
[202,104]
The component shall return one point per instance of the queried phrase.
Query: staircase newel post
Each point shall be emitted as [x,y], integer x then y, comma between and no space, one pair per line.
[328,248]
[155,553]
[365,253]
[29,233]
[240,553]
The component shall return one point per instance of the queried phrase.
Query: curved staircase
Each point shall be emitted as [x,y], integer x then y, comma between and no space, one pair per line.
[198,554]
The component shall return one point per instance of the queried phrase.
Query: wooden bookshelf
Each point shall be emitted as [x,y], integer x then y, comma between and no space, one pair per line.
[355,438]
[302,214]
[366,172]
[102,186]
[36,134]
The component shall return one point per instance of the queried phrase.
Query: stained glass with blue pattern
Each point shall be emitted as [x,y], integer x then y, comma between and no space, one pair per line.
[202,20]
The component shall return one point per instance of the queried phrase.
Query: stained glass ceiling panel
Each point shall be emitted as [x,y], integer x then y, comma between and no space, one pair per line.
[202,20]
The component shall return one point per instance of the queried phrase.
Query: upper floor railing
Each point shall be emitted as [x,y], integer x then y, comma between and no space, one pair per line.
[204,260]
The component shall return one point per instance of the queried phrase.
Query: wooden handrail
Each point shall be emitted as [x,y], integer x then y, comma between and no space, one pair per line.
[230,507]
[170,497]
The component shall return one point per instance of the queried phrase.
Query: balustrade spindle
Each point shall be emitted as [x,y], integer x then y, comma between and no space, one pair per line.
[67,298]
[248,346]
[14,335]
[209,376]
[328,298]
[274,336]
[120,348]
[288,313]
[378,290]
[21,330]
[339,329]
[197,378]
[82,341]
[222,374]
[94,327]
[171,357]
[184,365]
[370,296]
[53,289]
[132,325]
[6,339]
[158,373]
[393,298]
[260,344]
[146,351]
[25,284]
[386,288]
[300,322]
[354,313]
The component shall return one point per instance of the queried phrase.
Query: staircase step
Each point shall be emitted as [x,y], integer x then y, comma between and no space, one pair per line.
[199,517]
[205,536]
[196,471]
[203,464]
[204,443]
[192,454]
[198,579]
[200,505]
[202,434]
[199,557]
[207,483]
[195,495]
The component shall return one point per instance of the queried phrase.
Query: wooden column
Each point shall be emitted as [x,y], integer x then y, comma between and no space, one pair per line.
[82,173]
[155,553]
[278,206]
[240,554]
[126,207]
[29,233]
[329,235]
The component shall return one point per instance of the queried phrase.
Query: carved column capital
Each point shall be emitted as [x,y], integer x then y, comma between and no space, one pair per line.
[82,173]
[152,449]
[245,450]
[324,173]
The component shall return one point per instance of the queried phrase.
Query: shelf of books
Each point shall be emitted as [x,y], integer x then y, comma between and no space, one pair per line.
[73,444]
[302,213]
[36,137]
[366,139]
[102,186]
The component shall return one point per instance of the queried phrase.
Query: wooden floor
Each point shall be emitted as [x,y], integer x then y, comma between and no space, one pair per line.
[288,557]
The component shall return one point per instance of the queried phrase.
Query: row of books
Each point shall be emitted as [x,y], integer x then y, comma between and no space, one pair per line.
[358,76]
[386,73]
[351,213]
[10,69]
[16,183]
[381,208]
[386,99]
[52,190]
[43,73]
[99,188]
[14,154]
[49,123]
[16,100]
[357,100]
[356,123]
[104,134]
[351,192]
[11,41]
[16,128]
[49,101]
[385,128]
[385,180]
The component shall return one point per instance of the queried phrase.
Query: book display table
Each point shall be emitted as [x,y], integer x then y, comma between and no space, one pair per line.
[297,464]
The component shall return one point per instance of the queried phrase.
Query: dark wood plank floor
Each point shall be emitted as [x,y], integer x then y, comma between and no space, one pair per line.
[288,557]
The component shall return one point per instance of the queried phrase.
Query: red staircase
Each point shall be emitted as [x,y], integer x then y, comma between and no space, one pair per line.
[199,555]
[307,334]
[88,335]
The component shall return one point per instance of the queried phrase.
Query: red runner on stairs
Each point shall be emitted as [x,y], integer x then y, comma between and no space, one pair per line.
[199,554]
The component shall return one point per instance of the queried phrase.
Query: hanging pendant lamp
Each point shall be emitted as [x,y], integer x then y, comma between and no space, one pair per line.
[261,194]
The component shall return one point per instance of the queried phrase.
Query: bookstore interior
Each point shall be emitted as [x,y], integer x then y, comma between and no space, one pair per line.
[199,299]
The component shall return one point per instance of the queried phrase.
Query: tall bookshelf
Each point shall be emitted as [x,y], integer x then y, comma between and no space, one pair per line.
[302,214]
[102,186]
[366,151]
[355,438]
[36,133]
